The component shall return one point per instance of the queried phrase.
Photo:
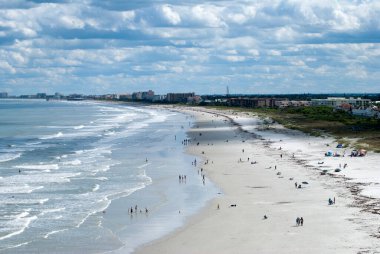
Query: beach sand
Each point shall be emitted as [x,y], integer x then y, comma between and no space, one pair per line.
[264,188]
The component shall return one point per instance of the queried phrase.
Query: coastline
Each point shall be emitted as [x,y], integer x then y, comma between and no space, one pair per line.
[265,188]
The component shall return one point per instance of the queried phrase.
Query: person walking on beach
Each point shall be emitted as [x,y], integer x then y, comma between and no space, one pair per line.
[298,221]
[301,221]
[295,184]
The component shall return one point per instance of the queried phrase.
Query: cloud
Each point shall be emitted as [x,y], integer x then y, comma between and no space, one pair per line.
[5,67]
[172,16]
[102,46]
[233,58]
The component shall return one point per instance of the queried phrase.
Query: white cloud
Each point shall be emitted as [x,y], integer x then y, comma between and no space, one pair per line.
[71,22]
[356,72]
[298,63]
[207,14]
[285,34]
[273,52]
[233,58]
[5,67]
[254,52]
[187,43]
[172,16]
[344,21]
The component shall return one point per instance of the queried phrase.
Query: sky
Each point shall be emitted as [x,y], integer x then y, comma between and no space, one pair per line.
[253,47]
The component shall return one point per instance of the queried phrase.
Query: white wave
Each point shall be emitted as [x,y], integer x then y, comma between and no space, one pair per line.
[59,134]
[19,224]
[147,180]
[36,178]
[96,188]
[54,232]
[61,157]
[9,156]
[125,193]
[38,166]
[34,143]
[144,165]
[16,246]
[43,201]
[101,208]
[54,210]
[14,201]
[78,127]
[103,169]
[73,163]
[103,178]
[12,189]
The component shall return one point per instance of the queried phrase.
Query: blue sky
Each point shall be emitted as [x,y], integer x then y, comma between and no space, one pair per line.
[120,46]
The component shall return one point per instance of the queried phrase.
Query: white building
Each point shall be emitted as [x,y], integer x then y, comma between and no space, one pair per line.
[367,112]
[337,101]
[287,103]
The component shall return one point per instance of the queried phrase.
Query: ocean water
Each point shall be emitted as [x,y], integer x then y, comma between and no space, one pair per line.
[70,171]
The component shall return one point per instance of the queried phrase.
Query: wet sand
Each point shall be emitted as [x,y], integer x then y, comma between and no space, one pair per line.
[266,187]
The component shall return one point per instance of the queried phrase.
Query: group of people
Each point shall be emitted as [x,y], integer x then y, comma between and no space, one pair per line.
[131,210]
[185,142]
[344,166]
[299,221]
[182,178]
[331,202]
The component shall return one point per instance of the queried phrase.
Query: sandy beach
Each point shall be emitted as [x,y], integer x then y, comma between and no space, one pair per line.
[258,178]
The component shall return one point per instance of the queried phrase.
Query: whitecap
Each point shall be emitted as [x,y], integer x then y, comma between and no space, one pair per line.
[53,210]
[78,127]
[19,224]
[101,208]
[54,232]
[73,163]
[12,189]
[58,135]
[143,165]
[9,156]
[38,167]
[96,187]
[16,201]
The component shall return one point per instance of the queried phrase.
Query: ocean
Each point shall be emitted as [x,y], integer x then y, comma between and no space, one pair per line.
[71,171]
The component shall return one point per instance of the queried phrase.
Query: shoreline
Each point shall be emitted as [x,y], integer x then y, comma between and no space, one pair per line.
[258,190]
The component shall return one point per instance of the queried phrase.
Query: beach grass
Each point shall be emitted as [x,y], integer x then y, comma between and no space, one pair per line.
[354,131]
